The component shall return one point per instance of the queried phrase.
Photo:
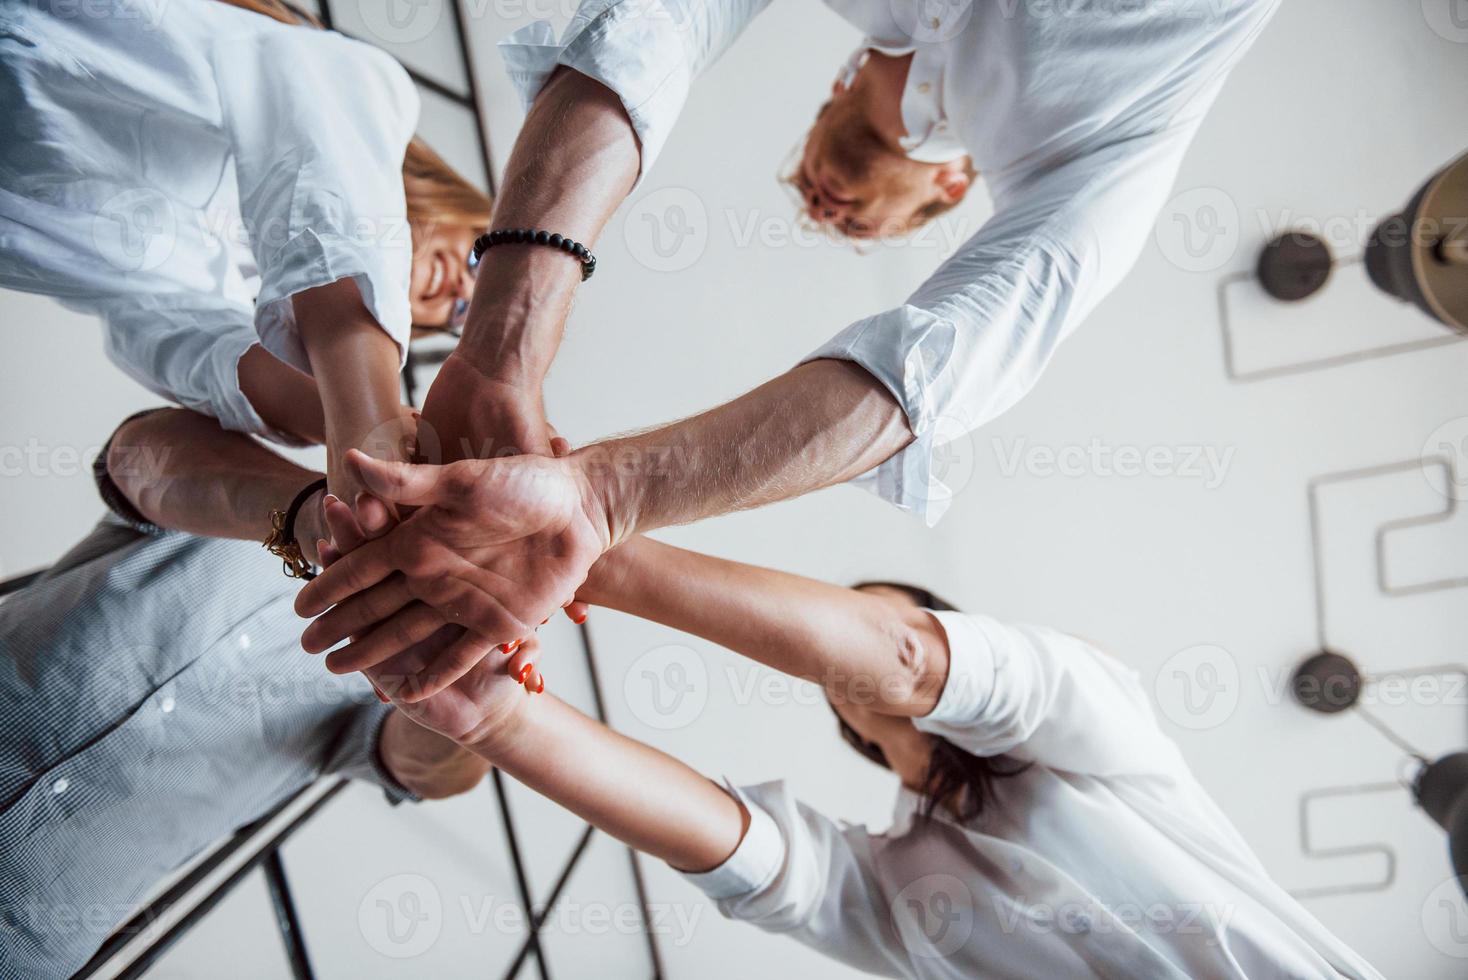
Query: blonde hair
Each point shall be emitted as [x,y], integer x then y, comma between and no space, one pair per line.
[436,193]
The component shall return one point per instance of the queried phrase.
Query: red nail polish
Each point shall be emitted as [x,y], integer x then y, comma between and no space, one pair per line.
[541,688]
[525,672]
[579,619]
[507,648]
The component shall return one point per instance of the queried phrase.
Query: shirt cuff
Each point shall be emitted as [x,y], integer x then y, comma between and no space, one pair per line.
[970,680]
[909,350]
[381,270]
[756,860]
[634,49]
[356,752]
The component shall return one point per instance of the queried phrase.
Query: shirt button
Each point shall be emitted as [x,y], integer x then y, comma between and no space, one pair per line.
[167,704]
[244,641]
[935,23]
[60,786]
[925,87]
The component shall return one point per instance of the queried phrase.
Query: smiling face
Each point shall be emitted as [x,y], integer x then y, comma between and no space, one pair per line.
[854,177]
[441,275]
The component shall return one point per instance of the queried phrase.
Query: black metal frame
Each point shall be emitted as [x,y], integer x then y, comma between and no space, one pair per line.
[264,853]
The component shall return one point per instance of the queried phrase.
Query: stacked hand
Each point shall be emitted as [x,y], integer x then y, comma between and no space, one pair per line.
[495,548]
[466,708]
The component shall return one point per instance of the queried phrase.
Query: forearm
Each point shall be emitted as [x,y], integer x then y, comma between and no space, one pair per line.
[643,797]
[862,648]
[287,400]
[819,424]
[355,364]
[182,471]
[574,162]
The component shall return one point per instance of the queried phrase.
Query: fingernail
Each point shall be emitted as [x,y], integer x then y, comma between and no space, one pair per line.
[578,620]
[507,647]
[540,689]
[329,498]
[525,672]
[380,696]
[545,620]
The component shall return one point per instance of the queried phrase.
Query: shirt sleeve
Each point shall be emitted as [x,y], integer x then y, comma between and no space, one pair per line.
[796,872]
[1042,696]
[355,753]
[975,337]
[318,125]
[646,51]
[189,353]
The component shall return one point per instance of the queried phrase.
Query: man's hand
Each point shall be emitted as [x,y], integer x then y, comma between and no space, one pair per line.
[497,547]
[443,662]
[470,415]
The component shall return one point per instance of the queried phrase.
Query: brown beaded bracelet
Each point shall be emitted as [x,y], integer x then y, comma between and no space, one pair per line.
[532,236]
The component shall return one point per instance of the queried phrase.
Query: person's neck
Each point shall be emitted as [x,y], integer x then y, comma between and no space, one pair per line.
[879,85]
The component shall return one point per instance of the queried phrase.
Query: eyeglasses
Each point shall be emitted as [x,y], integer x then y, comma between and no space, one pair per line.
[460,314]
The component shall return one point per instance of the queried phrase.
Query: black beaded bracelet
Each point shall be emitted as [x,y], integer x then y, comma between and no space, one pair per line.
[532,236]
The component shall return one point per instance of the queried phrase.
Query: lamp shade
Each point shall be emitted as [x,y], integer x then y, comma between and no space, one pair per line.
[1420,256]
[1441,790]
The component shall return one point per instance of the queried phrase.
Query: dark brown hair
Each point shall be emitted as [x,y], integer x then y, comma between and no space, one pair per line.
[957,779]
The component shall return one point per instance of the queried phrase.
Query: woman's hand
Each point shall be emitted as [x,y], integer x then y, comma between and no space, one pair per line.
[348,530]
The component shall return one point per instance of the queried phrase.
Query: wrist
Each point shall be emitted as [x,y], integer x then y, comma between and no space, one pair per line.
[311,526]
[519,305]
[496,736]
[610,478]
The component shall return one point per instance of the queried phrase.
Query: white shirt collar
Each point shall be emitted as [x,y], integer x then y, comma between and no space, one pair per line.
[929,136]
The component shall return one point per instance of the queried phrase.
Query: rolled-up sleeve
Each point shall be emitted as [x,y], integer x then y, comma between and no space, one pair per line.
[1042,696]
[798,873]
[319,124]
[975,337]
[648,52]
[188,350]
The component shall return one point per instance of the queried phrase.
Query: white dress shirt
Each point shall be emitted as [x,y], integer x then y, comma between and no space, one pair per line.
[151,153]
[1075,114]
[1104,858]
